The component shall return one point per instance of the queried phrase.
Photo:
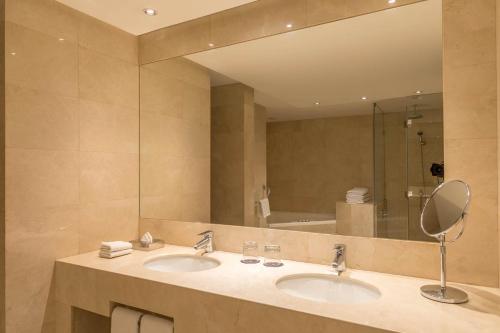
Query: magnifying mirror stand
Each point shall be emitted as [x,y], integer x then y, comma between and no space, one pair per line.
[442,293]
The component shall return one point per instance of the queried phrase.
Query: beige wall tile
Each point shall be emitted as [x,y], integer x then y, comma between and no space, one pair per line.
[162,175]
[175,140]
[183,70]
[256,20]
[312,163]
[31,254]
[480,154]
[470,102]
[45,218]
[181,39]
[106,39]
[46,16]
[107,80]
[107,221]
[40,62]
[108,176]
[41,187]
[498,119]
[469,34]
[40,120]
[162,205]
[108,128]
[154,93]
[322,11]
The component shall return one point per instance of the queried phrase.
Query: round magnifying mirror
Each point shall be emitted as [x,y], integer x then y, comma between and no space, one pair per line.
[445,209]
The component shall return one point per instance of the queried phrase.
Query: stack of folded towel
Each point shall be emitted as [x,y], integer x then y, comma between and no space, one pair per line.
[358,195]
[111,250]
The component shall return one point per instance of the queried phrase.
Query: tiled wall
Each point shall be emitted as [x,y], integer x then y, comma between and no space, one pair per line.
[72,147]
[254,20]
[260,157]
[498,118]
[470,130]
[2,166]
[229,175]
[312,163]
[470,102]
[175,141]
[237,155]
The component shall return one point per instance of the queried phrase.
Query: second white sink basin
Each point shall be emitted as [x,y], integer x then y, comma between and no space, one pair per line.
[181,263]
[328,288]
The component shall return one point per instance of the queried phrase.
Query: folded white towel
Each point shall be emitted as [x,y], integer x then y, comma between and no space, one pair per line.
[154,324]
[356,202]
[358,190]
[125,320]
[113,254]
[265,208]
[116,246]
[358,196]
[360,200]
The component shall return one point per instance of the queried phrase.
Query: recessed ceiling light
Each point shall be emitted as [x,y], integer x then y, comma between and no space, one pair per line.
[211,44]
[150,11]
[364,98]
[61,39]
[289,25]
[13,53]
[391,2]
[317,103]
[418,92]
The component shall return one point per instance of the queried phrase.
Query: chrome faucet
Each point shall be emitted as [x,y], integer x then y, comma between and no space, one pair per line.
[206,244]
[338,262]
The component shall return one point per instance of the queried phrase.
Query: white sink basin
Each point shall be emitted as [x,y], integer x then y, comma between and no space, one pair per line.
[181,263]
[328,288]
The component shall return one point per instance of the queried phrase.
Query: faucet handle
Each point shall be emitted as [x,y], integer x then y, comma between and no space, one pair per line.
[339,249]
[206,233]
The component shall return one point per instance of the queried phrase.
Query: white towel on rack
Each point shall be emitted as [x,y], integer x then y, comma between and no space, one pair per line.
[265,208]
[125,320]
[154,324]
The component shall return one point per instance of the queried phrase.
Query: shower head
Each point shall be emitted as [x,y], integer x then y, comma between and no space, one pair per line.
[414,114]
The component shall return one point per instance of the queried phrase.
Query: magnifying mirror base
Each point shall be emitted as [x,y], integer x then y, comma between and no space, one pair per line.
[450,295]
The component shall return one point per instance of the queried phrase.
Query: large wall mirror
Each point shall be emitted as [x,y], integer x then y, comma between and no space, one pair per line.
[339,126]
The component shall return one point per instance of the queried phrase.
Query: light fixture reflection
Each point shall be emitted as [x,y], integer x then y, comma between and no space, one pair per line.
[150,11]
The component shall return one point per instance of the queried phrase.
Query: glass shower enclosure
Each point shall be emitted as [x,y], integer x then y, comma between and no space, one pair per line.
[408,162]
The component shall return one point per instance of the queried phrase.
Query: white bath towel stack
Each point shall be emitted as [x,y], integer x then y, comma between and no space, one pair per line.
[112,250]
[358,195]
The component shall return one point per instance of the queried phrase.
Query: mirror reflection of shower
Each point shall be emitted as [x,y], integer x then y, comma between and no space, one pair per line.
[408,155]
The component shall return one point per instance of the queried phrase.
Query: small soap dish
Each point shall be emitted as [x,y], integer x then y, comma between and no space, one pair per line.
[157,244]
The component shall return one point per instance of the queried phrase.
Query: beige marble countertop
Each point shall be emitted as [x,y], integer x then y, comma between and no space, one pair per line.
[401,308]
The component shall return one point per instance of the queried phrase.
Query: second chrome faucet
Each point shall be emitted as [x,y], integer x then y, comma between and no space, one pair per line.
[338,262]
[206,244]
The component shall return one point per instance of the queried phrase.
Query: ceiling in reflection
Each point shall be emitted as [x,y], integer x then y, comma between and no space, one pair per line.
[128,15]
[384,55]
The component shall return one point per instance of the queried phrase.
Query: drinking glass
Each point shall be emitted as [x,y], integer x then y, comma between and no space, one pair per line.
[250,253]
[272,256]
